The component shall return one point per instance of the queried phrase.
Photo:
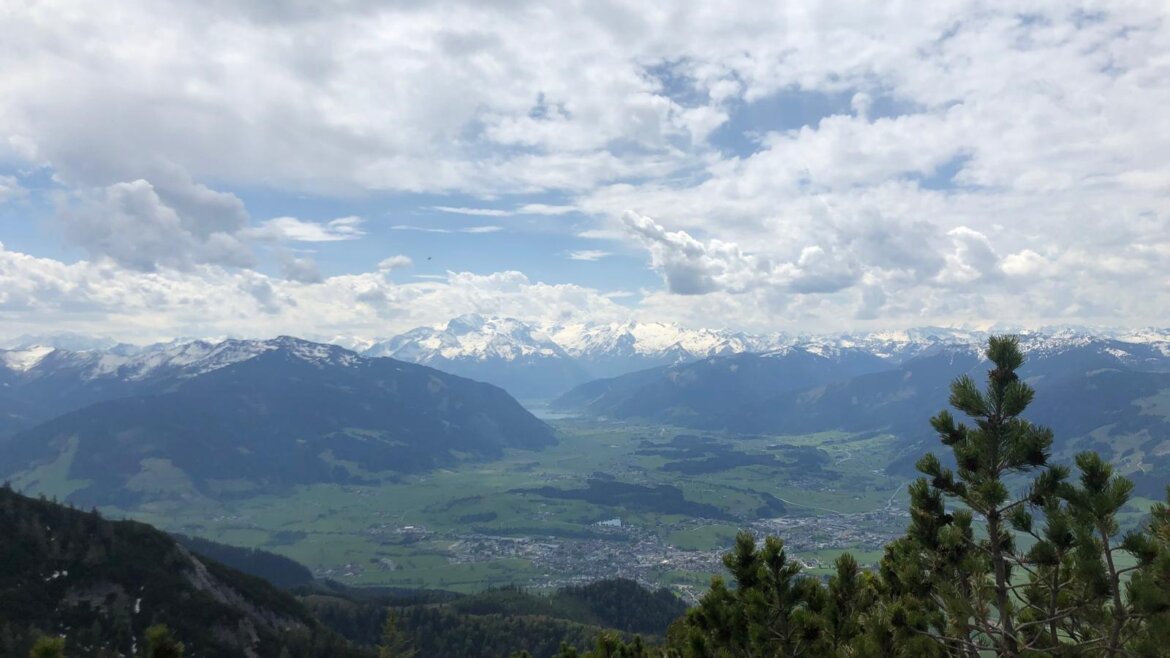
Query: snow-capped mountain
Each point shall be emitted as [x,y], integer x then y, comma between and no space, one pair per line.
[533,360]
[517,356]
[540,360]
[277,412]
[39,382]
[543,359]
[612,349]
[471,337]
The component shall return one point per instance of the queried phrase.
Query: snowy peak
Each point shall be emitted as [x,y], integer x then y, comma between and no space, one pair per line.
[651,339]
[319,354]
[163,360]
[654,343]
[470,337]
[24,359]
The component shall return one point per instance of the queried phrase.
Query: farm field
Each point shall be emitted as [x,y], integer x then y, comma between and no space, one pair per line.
[656,504]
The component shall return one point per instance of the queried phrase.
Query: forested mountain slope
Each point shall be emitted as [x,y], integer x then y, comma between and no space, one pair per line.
[296,414]
[101,583]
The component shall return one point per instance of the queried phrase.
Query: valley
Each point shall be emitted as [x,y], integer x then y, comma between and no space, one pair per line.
[547,518]
[374,471]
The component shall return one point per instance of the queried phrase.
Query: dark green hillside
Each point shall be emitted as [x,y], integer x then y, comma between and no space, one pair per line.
[276,569]
[499,621]
[102,583]
[1102,395]
[275,420]
[690,392]
[894,400]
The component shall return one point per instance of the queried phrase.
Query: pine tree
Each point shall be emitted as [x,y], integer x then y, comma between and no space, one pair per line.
[161,644]
[974,577]
[769,613]
[48,647]
[394,642]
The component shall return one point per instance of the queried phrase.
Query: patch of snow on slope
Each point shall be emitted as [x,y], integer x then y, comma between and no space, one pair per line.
[25,359]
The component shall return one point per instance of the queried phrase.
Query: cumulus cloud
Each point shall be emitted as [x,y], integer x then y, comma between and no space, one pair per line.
[691,267]
[299,268]
[142,227]
[392,263]
[916,182]
[973,257]
[103,298]
[177,223]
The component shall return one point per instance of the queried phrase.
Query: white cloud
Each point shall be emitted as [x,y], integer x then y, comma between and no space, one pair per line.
[392,263]
[544,209]
[972,161]
[432,229]
[691,267]
[300,269]
[101,297]
[588,254]
[10,188]
[296,230]
[476,212]
[143,227]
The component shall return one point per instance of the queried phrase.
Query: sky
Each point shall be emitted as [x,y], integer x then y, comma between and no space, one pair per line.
[359,168]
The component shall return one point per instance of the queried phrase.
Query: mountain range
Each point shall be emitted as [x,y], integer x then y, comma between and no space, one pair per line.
[1103,394]
[541,360]
[120,424]
[230,418]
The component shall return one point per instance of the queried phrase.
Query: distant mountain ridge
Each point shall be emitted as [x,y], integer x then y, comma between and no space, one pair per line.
[249,415]
[1103,394]
[531,360]
[40,382]
[541,360]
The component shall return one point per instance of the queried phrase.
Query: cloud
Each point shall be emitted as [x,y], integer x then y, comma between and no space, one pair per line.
[525,209]
[431,229]
[177,223]
[296,230]
[302,270]
[890,172]
[394,263]
[142,227]
[103,298]
[477,212]
[973,257]
[544,209]
[10,188]
[588,254]
[691,267]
